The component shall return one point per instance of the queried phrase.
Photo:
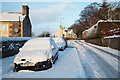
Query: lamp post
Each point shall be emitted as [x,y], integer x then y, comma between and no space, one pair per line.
[61,21]
[61,24]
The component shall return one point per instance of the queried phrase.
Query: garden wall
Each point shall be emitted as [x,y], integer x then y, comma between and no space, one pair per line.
[106,42]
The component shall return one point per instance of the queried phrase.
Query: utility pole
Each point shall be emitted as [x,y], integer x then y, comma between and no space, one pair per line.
[61,21]
[61,24]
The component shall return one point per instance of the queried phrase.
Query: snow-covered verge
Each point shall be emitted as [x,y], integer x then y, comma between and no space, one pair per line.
[6,65]
[67,66]
[15,38]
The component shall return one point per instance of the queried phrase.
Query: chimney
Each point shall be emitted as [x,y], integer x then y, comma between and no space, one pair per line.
[25,10]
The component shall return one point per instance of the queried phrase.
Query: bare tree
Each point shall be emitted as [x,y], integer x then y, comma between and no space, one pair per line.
[44,34]
[104,10]
[95,12]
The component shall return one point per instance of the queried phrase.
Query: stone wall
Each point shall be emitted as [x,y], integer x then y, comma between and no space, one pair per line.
[106,42]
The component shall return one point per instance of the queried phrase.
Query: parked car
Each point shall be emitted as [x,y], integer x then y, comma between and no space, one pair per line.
[36,54]
[60,42]
[66,44]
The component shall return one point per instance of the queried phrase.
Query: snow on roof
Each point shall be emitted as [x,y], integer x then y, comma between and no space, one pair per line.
[108,21]
[58,39]
[11,16]
[91,30]
[68,31]
[24,4]
[74,34]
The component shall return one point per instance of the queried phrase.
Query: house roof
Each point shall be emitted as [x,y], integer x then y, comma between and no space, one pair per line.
[68,31]
[11,16]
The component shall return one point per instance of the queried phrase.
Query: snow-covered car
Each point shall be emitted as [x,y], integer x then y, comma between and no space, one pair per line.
[36,54]
[60,42]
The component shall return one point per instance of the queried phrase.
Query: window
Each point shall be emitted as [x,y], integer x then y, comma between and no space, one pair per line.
[3,30]
[95,27]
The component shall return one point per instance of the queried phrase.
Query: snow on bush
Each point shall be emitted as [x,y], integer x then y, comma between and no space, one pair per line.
[11,45]
[14,38]
[91,32]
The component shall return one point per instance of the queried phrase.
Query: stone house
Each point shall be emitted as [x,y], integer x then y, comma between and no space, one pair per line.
[15,24]
[66,33]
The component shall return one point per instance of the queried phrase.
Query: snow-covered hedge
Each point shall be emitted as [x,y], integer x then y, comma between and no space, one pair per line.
[91,32]
[2,39]
[11,45]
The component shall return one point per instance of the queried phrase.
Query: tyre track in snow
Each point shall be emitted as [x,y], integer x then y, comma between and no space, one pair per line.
[109,53]
[86,69]
[107,71]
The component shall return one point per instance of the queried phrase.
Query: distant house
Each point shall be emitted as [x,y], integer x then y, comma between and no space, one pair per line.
[15,24]
[66,33]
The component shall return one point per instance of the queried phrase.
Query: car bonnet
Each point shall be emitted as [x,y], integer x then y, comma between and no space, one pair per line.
[33,56]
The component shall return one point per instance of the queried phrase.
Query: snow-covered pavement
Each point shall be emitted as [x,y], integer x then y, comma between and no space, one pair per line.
[67,66]
[78,61]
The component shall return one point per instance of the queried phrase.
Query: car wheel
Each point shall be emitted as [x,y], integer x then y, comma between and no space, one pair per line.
[14,70]
[50,65]
[17,68]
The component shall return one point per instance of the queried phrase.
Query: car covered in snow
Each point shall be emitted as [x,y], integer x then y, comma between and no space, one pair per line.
[60,42]
[36,54]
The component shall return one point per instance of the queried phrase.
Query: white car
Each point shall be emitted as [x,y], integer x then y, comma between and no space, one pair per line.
[60,42]
[36,54]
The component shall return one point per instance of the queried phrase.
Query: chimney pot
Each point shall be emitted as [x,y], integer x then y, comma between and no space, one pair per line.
[25,9]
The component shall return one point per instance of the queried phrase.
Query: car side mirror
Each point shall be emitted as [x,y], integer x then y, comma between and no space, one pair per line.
[20,49]
[52,47]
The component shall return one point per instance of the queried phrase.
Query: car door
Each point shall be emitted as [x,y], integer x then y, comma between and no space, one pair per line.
[64,42]
[54,48]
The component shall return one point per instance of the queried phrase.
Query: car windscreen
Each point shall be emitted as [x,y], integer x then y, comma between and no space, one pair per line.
[58,40]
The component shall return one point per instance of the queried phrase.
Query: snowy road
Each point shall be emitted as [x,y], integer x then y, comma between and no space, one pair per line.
[97,62]
[80,60]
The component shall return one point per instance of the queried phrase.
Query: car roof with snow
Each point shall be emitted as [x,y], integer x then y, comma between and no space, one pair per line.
[38,43]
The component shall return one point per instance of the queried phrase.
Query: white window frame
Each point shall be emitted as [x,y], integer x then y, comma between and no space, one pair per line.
[6,26]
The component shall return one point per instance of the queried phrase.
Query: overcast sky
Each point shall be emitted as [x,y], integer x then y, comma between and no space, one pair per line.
[45,16]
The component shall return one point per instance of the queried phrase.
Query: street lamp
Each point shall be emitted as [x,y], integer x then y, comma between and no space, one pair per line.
[61,25]
[61,21]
